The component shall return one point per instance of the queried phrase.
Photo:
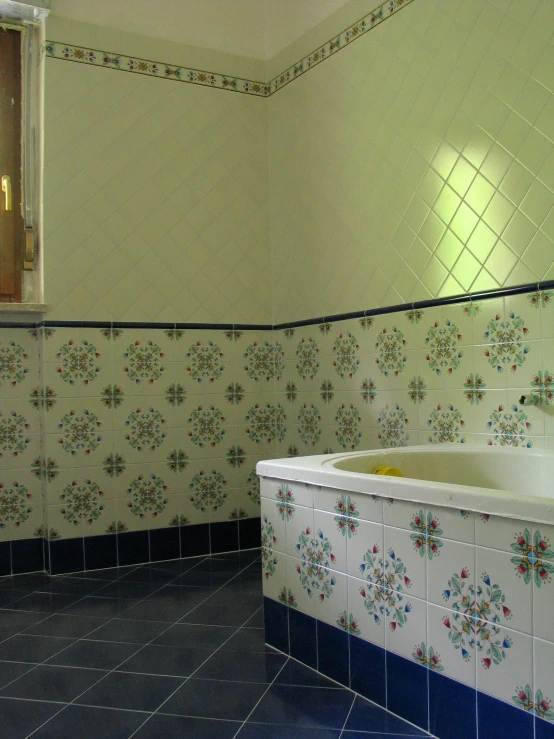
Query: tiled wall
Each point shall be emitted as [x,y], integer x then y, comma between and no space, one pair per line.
[440,615]
[417,162]
[452,373]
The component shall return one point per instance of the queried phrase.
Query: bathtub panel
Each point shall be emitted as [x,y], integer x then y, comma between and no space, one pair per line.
[299,528]
[400,513]
[304,598]
[498,533]
[445,651]
[406,624]
[364,606]
[500,675]
[405,566]
[333,608]
[364,548]
[544,681]
[458,525]
[451,573]
[274,569]
[331,531]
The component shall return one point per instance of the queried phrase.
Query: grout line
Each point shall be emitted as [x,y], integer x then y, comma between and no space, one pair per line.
[109,672]
[347,716]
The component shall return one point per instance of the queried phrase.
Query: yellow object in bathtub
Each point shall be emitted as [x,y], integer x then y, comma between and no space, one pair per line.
[383,469]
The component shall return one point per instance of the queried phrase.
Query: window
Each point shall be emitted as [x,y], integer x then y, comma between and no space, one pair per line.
[12,232]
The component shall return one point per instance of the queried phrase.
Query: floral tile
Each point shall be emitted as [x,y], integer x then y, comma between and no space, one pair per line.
[450,653]
[364,611]
[404,564]
[406,623]
[506,664]
[365,550]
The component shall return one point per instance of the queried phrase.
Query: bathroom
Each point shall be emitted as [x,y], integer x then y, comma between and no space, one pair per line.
[290,229]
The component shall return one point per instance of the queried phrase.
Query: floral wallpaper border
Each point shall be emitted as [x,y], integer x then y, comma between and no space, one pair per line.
[216,80]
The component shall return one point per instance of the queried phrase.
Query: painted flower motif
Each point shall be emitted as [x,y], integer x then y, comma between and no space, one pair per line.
[205,363]
[366,323]
[325,328]
[112,396]
[291,392]
[233,335]
[348,623]
[388,580]
[206,426]
[316,558]
[307,364]
[111,334]
[543,386]
[237,514]
[14,505]
[174,334]
[348,420]
[474,388]
[82,502]
[289,333]
[427,657]
[446,425]
[177,460]
[326,391]
[80,432]
[540,298]
[264,361]
[287,598]
[12,368]
[308,422]
[474,625]
[472,309]
[285,501]
[234,393]
[414,316]
[393,423]
[533,558]
[45,469]
[114,465]
[390,348]
[236,456]
[253,487]
[541,705]
[145,429]
[41,332]
[269,557]
[179,520]
[509,427]
[144,362]
[347,513]
[368,390]
[346,360]
[147,495]
[208,490]
[116,527]
[175,395]
[43,398]
[266,422]
[505,337]
[292,451]
[417,389]
[444,355]
[427,533]
[78,362]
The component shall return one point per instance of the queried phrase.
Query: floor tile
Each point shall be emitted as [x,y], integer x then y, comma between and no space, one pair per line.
[52,683]
[189,635]
[323,708]
[219,615]
[133,692]
[110,574]
[257,620]
[73,586]
[249,640]
[30,583]
[155,659]
[7,597]
[97,606]
[293,673]
[150,575]
[12,620]
[161,725]
[256,667]
[27,648]
[12,670]
[215,699]
[101,655]
[68,626]
[168,604]
[132,632]
[124,589]
[90,723]
[20,718]
[203,579]
[366,716]
[46,602]
[278,731]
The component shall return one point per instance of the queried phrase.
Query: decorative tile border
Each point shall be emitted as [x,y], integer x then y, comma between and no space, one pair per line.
[161,70]
[331,47]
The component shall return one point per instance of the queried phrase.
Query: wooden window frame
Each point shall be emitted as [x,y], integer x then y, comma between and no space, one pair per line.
[11,222]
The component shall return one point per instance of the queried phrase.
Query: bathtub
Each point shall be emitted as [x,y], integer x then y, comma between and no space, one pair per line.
[430,594]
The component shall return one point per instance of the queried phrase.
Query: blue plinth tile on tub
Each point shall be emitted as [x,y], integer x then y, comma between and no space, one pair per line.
[498,720]
[303,638]
[407,690]
[367,670]
[276,621]
[452,708]
[332,652]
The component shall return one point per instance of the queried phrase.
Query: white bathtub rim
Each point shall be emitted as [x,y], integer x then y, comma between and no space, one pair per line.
[318,471]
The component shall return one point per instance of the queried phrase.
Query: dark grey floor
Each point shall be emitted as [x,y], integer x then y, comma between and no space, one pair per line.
[172,650]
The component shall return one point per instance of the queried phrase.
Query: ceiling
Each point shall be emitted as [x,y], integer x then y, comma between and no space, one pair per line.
[253,28]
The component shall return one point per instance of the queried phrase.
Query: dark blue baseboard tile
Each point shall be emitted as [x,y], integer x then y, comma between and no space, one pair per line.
[66,555]
[5,559]
[544,729]
[452,708]
[368,675]
[195,540]
[100,552]
[21,555]
[407,690]
[303,638]
[498,720]
[224,536]
[333,652]
[164,544]
[133,548]
[250,533]
[276,624]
